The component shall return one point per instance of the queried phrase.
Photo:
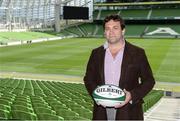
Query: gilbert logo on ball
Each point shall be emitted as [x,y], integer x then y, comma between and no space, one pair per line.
[108,95]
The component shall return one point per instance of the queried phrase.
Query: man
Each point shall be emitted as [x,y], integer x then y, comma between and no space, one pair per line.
[119,63]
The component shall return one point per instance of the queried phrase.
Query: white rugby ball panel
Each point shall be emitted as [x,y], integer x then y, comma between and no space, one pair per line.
[108,103]
[108,95]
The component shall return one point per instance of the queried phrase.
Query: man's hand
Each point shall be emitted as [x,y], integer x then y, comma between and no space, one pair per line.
[128,98]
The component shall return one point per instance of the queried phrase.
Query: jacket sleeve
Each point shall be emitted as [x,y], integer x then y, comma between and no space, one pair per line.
[90,78]
[147,80]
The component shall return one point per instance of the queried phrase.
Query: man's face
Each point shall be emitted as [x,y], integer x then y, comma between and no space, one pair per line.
[113,31]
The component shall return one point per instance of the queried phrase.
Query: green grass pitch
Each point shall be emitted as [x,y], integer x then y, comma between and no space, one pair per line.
[16,36]
[70,56]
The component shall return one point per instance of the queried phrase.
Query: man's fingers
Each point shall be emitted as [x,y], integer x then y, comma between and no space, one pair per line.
[119,105]
[125,90]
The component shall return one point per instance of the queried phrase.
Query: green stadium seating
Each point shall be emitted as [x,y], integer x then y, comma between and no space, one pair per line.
[36,98]
[74,118]
[49,99]
[134,13]
[28,92]
[131,30]
[4,114]
[95,14]
[74,30]
[90,107]
[86,113]
[68,100]
[41,105]
[170,13]
[43,110]
[9,96]
[5,107]
[21,115]
[100,31]
[65,113]
[88,28]
[22,103]
[38,101]
[5,102]
[23,98]
[59,107]
[18,91]
[22,108]
[46,116]
[39,93]
[54,102]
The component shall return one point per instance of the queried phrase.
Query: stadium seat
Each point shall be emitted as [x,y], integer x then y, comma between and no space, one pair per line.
[18,91]
[62,96]
[55,103]
[86,113]
[38,92]
[46,116]
[38,101]
[59,107]
[67,101]
[5,107]
[40,105]
[9,95]
[50,99]
[39,110]
[72,118]
[28,92]
[21,115]
[88,99]
[90,107]
[86,104]
[5,102]
[74,108]
[65,113]
[7,98]
[4,114]
[72,104]
[36,98]
[22,103]
[22,108]
[23,99]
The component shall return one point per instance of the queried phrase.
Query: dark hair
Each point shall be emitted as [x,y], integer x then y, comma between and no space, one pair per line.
[114,17]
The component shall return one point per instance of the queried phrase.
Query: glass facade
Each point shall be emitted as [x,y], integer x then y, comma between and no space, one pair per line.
[28,14]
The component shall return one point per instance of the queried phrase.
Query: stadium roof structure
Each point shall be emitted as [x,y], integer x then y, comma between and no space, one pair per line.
[28,14]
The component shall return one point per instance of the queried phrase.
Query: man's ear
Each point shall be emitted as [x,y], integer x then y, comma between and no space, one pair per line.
[123,31]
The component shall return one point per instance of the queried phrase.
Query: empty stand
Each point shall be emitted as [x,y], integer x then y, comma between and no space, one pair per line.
[50,100]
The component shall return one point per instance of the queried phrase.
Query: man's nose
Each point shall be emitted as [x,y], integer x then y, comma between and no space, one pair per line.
[111,31]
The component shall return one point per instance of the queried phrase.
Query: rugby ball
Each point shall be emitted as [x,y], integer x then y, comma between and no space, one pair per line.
[108,95]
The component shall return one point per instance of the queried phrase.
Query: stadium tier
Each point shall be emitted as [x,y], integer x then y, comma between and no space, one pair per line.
[165,13]
[46,100]
[140,13]
[141,30]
